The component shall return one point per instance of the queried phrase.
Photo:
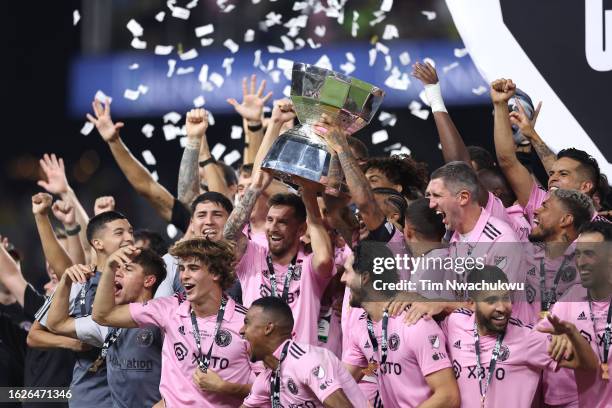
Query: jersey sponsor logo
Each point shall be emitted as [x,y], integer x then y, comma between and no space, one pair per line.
[569,274]
[220,363]
[434,340]
[223,338]
[530,293]
[133,364]
[456,369]
[318,372]
[504,353]
[394,342]
[323,386]
[474,373]
[600,338]
[582,316]
[438,356]
[390,367]
[180,351]
[291,386]
[265,290]
[457,344]
[144,337]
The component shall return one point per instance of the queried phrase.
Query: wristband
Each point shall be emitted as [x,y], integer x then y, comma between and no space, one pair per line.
[74,231]
[206,162]
[255,128]
[433,92]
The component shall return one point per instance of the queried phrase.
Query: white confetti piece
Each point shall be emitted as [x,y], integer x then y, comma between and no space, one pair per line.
[171,231]
[285,65]
[312,44]
[380,16]
[76,16]
[380,136]
[430,61]
[211,118]
[440,146]
[171,132]
[257,58]
[184,70]
[388,62]
[204,30]
[324,62]
[394,146]
[227,64]
[421,114]
[273,18]
[199,101]
[275,50]
[147,130]
[320,31]
[431,15]
[350,57]
[386,6]
[460,52]
[181,13]
[354,28]
[138,44]
[236,132]
[171,66]
[173,117]
[205,42]
[154,175]
[87,128]
[275,75]
[287,43]
[372,54]
[189,55]
[404,58]
[249,35]
[387,119]
[415,105]
[300,5]
[348,67]
[183,142]
[163,49]
[134,66]
[149,158]
[131,94]
[203,75]
[135,28]
[397,80]
[479,91]
[391,32]
[218,150]
[160,16]
[450,67]
[216,79]
[231,45]
[382,48]
[192,4]
[143,89]
[102,97]
[400,152]
[232,157]
[299,43]
[228,8]
[287,91]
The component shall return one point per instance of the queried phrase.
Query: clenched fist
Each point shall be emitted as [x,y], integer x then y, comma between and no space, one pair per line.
[41,203]
[502,90]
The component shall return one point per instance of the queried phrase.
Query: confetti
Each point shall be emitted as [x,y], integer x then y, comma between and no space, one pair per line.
[312,44]
[231,45]
[285,65]
[143,89]
[87,128]
[76,16]
[386,6]
[134,66]
[236,132]
[273,18]
[163,49]
[287,91]
[398,80]
[203,75]
[350,57]
[138,44]
[184,70]
[401,151]
[171,66]
[135,28]
[300,5]
[218,150]
[204,30]
[320,31]
[479,91]
[101,96]
[404,58]
[300,43]
[147,130]
[227,64]
[372,54]
[257,58]
[429,14]
[460,52]
[205,42]
[149,158]
[183,142]
[229,8]
[355,24]
[394,146]
[421,114]
[232,157]
[173,117]
[199,101]
[192,4]
[423,97]
[216,79]
[275,75]
[391,32]
[181,13]
[324,62]
[429,61]
[249,35]
[382,48]
[380,16]
[189,55]
[171,132]
[160,16]
[387,119]
[348,67]
[211,118]
[380,136]
[171,231]
[154,175]
[450,67]
[287,43]
[388,63]
[275,50]
[414,105]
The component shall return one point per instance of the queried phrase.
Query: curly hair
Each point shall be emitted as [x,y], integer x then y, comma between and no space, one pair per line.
[218,256]
[402,170]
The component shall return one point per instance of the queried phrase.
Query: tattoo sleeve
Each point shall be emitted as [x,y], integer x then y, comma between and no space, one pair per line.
[189,178]
[238,219]
[544,153]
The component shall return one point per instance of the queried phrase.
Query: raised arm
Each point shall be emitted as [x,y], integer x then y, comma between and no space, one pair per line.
[527,128]
[64,212]
[105,311]
[212,172]
[138,176]
[59,320]
[517,175]
[54,253]
[322,248]
[10,273]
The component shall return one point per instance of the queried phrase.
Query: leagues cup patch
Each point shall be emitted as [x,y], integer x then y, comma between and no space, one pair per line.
[504,352]
[319,372]
[434,341]
[224,338]
[394,342]
[291,386]
[144,337]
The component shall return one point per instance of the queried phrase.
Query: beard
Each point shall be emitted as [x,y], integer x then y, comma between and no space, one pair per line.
[540,236]
[487,323]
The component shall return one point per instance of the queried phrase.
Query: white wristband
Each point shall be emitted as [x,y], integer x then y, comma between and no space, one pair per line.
[434,96]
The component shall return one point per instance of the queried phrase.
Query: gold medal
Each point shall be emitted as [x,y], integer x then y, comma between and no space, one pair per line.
[371,369]
[482,401]
[605,375]
[543,314]
[95,366]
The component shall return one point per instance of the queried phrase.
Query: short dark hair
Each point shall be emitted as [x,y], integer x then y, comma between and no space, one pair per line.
[213,197]
[366,253]
[588,165]
[576,203]
[402,170]
[482,157]
[152,264]
[99,221]
[291,200]
[487,274]
[278,309]
[425,221]
[601,227]
[358,147]
[229,173]
[246,170]
[157,243]
[392,197]
[457,176]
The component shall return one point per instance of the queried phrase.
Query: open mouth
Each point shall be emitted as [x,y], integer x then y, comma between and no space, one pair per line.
[188,287]
[536,222]
[443,214]
[209,232]
[552,188]
[276,238]
[501,319]
[118,288]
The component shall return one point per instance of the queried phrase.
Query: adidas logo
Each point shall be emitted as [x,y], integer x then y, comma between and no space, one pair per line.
[457,344]
[582,316]
[367,345]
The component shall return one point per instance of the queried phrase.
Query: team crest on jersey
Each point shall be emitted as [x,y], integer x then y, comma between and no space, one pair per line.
[319,372]
[530,293]
[144,337]
[434,340]
[291,386]
[500,261]
[504,353]
[180,351]
[394,342]
[223,338]
[569,274]
[297,272]
[531,272]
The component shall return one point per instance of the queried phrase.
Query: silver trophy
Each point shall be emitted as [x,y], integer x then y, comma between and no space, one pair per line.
[299,153]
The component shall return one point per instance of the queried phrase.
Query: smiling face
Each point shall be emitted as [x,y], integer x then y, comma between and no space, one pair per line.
[444,202]
[493,310]
[196,279]
[565,174]
[283,230]
[352,280]
[593,259]
[254,331]
[208,220]
[115,234]
[547,220]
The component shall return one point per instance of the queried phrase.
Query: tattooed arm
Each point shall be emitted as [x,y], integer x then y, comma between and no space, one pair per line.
[189,178]
[526,127]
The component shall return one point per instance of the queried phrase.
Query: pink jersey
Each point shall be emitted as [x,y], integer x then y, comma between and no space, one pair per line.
[259,238]
[414,352]
[519,224]
[230,357]
[563,385]
[516,213]
[536,198]
[305,289]
[430,267]
[309,375]
[523,355]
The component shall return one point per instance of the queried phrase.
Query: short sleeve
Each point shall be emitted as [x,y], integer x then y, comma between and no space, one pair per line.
[32,301]
[245,266]
[89,331]
[323,377]
[428,343]
[260,392]
[537,344]
[153,312]
[353,355]
[180,215]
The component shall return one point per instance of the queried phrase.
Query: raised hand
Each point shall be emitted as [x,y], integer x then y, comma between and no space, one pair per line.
[64,212]
[54,170]
[103,121]
[522,121]
[558,326]
[41,203]
[196,123]
[502,90]
[253,102]
[122,256]
[104,204]
[425,73]
[331,132]
[79,273]
[282,111]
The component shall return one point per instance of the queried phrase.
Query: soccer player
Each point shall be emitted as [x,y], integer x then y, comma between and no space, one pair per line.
[297,374]
[411,362]
[205,361]
[132,356]
[589,307]
[498,361]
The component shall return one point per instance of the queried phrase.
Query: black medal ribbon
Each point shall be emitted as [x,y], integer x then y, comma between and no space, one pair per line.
[288,277]
[275,380]
[548,298]
[204,361]
[607,332]
[492,364]
[110,339]
[384,347]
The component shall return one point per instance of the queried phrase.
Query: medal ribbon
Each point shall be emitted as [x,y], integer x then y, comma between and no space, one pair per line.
[288,277]
[492,364]
[275,380]
[203,363]
[384,346]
